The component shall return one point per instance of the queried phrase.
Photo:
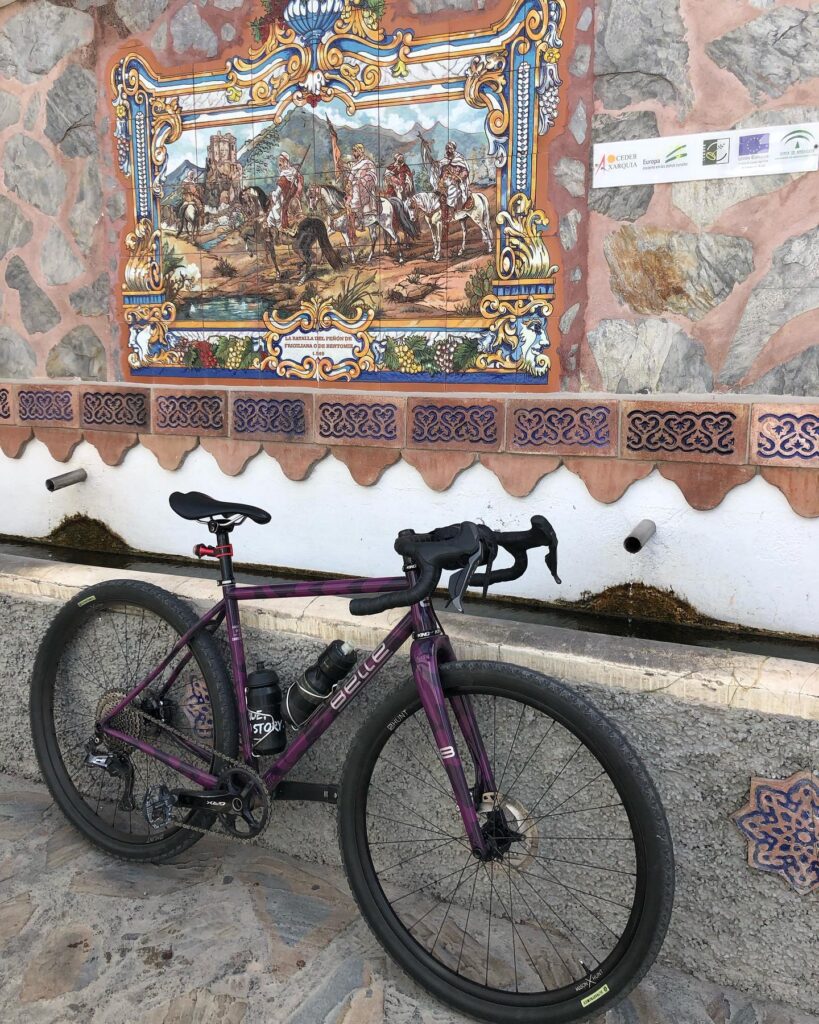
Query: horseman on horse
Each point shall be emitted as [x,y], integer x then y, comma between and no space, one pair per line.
[361,190]
[399,182]
[190,211]
[449,180]
[290,185]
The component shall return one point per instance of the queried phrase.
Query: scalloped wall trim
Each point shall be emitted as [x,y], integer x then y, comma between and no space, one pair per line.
[704,486]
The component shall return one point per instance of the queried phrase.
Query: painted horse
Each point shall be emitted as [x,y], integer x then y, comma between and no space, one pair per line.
[263,220]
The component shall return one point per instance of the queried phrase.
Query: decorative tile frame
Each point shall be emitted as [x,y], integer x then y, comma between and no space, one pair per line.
[321,57]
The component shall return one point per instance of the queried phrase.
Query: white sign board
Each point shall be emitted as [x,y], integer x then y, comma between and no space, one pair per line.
[717,154]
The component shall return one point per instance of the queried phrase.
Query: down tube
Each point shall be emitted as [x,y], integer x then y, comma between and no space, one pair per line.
[321,721]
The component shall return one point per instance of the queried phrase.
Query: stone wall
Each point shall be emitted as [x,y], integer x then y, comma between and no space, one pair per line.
[712,282]
[702,288]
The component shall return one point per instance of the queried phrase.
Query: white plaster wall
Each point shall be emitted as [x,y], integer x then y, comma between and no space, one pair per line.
[751,560]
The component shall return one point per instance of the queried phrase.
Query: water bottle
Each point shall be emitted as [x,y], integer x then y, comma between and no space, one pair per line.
[264,706]
[331,666]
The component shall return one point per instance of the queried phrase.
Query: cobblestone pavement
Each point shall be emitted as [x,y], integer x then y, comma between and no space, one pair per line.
[229,934]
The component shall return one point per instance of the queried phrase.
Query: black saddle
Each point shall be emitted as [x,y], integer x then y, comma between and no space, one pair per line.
[195,505]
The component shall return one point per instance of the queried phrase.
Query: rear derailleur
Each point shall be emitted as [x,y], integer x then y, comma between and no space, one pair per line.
[241,803]
[117,765]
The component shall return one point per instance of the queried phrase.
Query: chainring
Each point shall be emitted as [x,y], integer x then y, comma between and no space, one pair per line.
[252,814]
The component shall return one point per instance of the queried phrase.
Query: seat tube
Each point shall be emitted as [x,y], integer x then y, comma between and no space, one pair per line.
[235,641]
[424,658]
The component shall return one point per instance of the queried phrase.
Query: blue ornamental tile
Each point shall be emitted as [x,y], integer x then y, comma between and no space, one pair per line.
[115,409]
[261,417]
[189,412]
[54,407]
[359,421]
[462,424]
[688,433]
[786,436]
[563,428]
[781,824]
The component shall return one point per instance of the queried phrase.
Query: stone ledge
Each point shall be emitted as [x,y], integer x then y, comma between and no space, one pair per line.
[697,675]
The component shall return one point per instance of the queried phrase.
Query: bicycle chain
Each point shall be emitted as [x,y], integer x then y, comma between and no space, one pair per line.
[231,762]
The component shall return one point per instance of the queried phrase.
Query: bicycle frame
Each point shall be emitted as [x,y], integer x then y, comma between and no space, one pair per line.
[430,648]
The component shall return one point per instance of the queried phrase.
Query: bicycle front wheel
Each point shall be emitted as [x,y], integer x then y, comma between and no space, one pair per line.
[573,907]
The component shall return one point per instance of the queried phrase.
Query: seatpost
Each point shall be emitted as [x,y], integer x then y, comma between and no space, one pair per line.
[225,551]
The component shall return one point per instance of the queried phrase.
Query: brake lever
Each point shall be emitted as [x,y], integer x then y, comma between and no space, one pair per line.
[459,581]
[545,528]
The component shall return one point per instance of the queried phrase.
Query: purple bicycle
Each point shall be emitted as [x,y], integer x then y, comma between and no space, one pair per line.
[501,837]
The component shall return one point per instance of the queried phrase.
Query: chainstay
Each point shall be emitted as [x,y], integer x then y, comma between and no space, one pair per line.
[230,761]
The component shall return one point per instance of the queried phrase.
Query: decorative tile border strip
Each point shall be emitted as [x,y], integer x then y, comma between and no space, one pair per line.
[600,438]
[458,424]
[785,437]
[263,417]
[115,409]
[343,421]
[686,432]
[570,428]
[52,407]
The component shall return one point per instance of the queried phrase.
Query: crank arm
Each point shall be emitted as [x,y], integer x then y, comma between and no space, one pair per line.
[219,801]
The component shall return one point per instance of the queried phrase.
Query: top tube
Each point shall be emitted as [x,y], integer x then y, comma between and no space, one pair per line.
[317,588]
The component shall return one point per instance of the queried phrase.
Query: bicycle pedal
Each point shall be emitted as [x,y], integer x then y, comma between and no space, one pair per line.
[157,807]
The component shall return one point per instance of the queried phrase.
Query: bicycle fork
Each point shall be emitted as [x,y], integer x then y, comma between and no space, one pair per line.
[425,655]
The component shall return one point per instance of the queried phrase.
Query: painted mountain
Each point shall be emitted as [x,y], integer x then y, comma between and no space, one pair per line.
[306,138]
[171,192]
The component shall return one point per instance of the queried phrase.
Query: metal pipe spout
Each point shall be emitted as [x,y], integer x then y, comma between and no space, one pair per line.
[640,536]
[75,476]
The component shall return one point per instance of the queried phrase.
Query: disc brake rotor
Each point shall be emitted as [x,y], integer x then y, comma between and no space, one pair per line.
[518,820]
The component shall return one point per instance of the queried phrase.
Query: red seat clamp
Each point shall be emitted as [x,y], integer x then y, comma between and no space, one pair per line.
[202,550]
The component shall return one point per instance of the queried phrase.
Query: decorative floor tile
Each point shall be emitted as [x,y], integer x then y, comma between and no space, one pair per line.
[781,823]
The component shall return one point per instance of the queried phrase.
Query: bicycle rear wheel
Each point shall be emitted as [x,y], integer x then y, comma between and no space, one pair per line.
[573,909]
[98,647]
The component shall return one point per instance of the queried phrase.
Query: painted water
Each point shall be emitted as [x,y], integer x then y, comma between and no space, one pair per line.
[224,307]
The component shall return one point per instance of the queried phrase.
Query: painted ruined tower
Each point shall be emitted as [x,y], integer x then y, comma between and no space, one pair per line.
[223,172]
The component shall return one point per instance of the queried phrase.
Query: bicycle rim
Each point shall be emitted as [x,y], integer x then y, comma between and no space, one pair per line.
[554,916]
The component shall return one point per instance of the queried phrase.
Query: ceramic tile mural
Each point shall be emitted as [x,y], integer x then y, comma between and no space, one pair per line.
[343,204]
